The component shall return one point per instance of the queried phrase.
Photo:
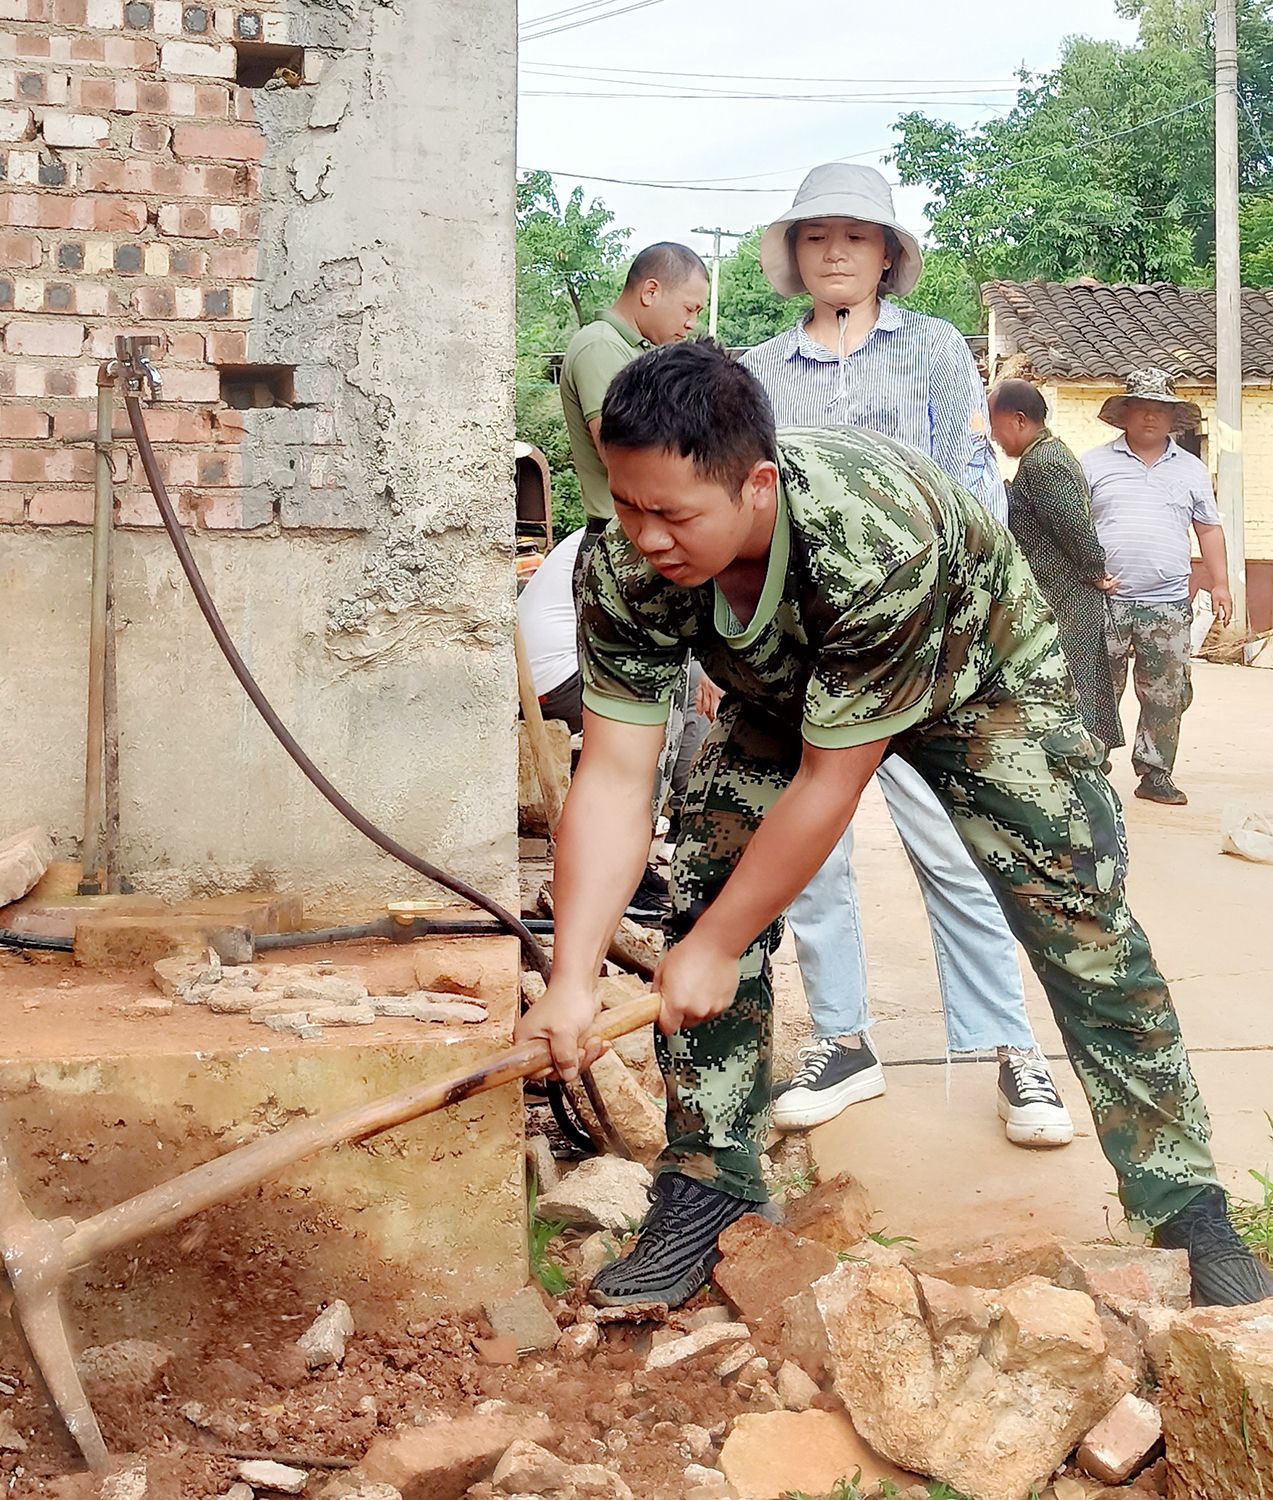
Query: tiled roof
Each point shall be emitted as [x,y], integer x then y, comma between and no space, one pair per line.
[1086,331]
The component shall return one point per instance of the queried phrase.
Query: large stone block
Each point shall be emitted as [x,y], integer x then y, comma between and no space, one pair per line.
[1217,1403]
[99,1101]
[985,1391]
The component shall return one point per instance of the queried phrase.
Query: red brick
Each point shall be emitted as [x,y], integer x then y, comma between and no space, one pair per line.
[218,142]
[212,101]
[244,107]
[186,220]
[24,10]
[30,44]
[7,382]
[232,264]
[70,12]
[24,422]
[68,420]
[230,426]
[219,510]
[46,465]
[155,302]
[128,54]
[12,503]
[95,94]
[168,424]
[186,348]
[88,49]
[227,348]
[20,252]
[61,508]
[119,216]
[192,385]
[221,469]
[58,337]
[101,342]
[151,136]
[187,261]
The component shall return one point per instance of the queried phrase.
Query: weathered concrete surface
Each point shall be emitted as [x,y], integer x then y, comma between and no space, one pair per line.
[937,1166]
[99,1104]
[376,600]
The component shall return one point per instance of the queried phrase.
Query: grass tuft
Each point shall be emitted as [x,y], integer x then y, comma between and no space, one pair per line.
[540,1233]
[1253,1219]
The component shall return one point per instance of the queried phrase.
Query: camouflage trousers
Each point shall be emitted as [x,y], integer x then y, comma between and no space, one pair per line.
[1021,780]
[1157,636]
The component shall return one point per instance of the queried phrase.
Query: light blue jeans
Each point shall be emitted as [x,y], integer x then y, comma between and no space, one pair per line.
[977,967]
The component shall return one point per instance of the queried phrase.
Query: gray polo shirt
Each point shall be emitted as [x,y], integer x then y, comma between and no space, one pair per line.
[1143,513]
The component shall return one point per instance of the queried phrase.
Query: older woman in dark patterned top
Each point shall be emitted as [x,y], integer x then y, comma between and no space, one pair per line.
[1050,514]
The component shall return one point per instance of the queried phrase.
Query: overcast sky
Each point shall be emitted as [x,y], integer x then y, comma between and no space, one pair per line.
[953,60]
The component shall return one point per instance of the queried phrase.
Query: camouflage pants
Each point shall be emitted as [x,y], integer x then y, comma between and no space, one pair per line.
[1157,635]
[1020,778]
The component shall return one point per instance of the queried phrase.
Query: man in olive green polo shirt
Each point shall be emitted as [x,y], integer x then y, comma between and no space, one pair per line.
[661,299]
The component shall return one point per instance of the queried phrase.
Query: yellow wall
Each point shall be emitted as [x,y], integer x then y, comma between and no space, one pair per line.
[1072,413]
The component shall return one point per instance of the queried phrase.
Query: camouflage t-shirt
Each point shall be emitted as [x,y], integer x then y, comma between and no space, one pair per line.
[890,596]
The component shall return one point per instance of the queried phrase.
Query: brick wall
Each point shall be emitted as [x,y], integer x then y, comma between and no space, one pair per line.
[129,202]
[348,232]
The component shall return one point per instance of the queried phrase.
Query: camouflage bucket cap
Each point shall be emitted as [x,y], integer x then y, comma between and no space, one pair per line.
[1151,385]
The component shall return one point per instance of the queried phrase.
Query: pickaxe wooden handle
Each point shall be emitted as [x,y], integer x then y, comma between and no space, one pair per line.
[40,1254]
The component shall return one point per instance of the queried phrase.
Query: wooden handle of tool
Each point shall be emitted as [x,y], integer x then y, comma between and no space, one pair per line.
[217,1181]
[536,734]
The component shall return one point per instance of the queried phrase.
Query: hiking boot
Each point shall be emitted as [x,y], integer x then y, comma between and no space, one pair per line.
[1032,1111]
[830,1077]
[650,902]
[676,1246]
[1223,1270]
[1157,786]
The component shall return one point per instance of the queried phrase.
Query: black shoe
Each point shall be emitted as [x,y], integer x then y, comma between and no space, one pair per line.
[676,1247]
[1224,1272]
[650,901]
[830,1078]
[1157,786]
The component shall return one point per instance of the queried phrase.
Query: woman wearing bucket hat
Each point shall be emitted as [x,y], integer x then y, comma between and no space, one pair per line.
[859,360]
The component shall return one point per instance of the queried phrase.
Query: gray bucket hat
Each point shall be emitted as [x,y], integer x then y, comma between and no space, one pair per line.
[1150,384]
[839,190]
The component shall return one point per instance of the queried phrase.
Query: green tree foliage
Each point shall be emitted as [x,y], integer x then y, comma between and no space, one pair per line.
[569,267]
[1104,166]
[947,290]
[750,310]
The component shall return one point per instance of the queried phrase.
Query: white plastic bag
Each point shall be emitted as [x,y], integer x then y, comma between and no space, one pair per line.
[1247,833]
[1203,618]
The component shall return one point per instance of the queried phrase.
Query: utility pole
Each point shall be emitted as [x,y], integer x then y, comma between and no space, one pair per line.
[1229,308]
[717,235]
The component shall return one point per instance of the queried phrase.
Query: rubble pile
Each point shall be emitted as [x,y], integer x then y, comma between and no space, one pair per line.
[304,998]
[820,1362]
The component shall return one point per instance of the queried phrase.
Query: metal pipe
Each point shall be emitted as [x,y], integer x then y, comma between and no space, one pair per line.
[271,942]
[110,752]
[91,882]
[137,366]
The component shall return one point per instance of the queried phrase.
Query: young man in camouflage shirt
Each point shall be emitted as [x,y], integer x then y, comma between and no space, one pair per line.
[853,602]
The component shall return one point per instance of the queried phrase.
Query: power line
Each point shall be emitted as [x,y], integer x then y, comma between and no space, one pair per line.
[840,99]
[767,77]
[606,15]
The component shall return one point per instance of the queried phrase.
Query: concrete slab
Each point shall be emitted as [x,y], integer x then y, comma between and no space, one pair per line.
[98,1102]
[931,1151]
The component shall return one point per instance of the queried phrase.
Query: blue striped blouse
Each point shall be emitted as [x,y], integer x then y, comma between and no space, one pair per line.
[913,379]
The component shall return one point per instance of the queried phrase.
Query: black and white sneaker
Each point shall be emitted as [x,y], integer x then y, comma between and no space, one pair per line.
[830,1077]
[676,1247]
[650,901]
[1223,1271]
[1029,1105]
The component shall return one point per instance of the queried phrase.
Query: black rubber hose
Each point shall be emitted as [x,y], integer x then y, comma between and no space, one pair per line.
[531,947]
[32,940]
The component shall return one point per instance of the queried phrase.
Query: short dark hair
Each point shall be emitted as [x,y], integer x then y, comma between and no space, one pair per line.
[1019,396]
[666,262]
[692,399]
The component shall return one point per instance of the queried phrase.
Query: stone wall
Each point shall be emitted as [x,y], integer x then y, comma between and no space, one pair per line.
[310,206]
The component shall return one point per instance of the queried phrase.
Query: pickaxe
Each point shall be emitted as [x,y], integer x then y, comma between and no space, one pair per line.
[39,1254]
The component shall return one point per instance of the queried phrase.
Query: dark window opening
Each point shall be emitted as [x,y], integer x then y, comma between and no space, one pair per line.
[260,62]
[247,387]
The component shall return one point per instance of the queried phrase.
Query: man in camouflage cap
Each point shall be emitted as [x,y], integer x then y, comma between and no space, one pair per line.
[853,602]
